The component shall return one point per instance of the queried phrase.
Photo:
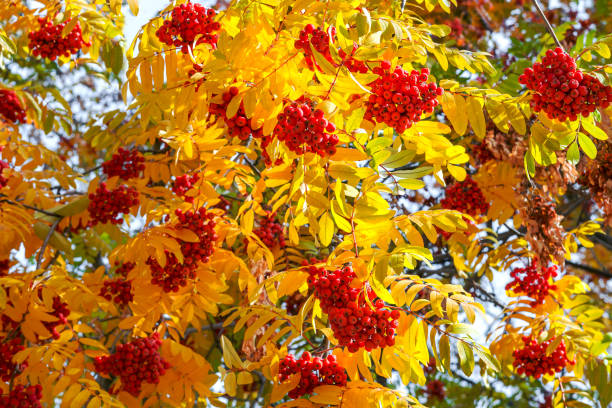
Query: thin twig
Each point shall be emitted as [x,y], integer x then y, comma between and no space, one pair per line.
[46,242]
[548,25]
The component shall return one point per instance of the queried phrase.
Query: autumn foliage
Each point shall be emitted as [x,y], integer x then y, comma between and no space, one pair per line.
[305,204]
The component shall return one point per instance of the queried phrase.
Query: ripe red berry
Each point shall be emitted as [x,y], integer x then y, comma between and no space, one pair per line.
[321,40]
[533,360]
[124,268]
[125,163]
[465,196]
[354,323]
[184,183]
[118,290]
[22,397]
[270,232]
[174,274]
[106,205]
[10,107]
[533,281]
[134,363]
[435,390]
[561,90]
[238,125]
[188,22]
[399,98]
[48,42]
[8,349]
[61,312]
[313,373]
[305,129]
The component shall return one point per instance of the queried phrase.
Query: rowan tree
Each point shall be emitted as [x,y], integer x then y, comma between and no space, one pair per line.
[305,203]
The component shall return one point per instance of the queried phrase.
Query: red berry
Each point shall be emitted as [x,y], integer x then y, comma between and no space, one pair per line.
[189,21]
[533,360]
[134,363]
[125,163]
[184,183]
[305,129]
[561,90]
[22,397]
[175,274]
[10,108]
[465,196]
[313,373]
[533,281]
[400,98]
[352,320]
[48,41]
[106,205]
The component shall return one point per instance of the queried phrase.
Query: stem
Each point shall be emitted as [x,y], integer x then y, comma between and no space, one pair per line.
[46,242]
[549,27]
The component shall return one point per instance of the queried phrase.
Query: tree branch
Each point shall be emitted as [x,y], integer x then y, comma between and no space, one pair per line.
[590,269]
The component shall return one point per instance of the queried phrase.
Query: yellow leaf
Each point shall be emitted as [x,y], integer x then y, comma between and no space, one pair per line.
[133,6]
[326,229]
[457,172]
[476,116]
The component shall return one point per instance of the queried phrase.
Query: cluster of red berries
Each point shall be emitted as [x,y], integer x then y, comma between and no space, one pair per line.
[189,22]
[175,274]
[184,183]
[10,107]
[304,129]
[8,349]
[321,41]
[106,205]
[355,324]
[3,180]
[223,204]
[533,360]
[351,63]
[238,125]
[48,42]
[125,163]
[270,232]
[481,153]
[134,363]
[466,197]
[22,397]
[314,372]
[561,90]
[118,290]
[533,281]
[435,390]
[124,269]
[61,312]
[5,264]
[399,97]
[430,368]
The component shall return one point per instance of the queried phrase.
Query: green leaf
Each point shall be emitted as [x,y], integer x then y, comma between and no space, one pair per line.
[573,153]
[529,164]
[587,145]
[595,131]
[466,358]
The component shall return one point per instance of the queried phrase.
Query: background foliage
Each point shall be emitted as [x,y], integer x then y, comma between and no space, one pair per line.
[377,204]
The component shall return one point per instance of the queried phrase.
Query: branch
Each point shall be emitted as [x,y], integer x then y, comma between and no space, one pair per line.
[548,26]
[46,242]
[590,269]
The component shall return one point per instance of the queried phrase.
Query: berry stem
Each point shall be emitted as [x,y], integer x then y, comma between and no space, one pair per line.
[548,25]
